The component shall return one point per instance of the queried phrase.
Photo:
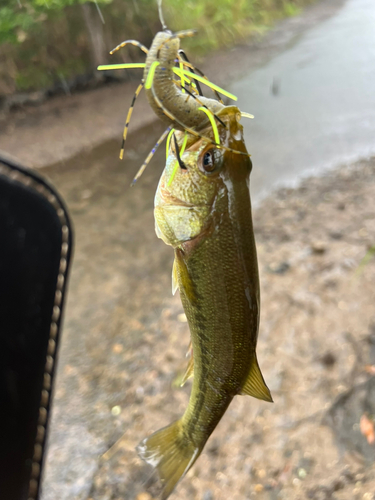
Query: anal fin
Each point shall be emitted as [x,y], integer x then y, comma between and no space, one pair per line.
[255,385]
[189,371]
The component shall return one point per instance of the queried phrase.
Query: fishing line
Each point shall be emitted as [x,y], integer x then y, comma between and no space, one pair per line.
[161,18]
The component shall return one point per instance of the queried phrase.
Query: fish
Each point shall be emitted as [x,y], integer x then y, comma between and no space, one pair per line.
[203,210]
[205,215]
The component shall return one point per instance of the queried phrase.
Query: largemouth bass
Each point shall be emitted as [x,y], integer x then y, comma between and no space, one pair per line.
[203,211]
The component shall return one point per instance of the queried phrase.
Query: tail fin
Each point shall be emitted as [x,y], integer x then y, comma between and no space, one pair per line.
[170,453]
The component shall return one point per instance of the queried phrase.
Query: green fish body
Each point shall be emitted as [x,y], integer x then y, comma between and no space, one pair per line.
[203,210]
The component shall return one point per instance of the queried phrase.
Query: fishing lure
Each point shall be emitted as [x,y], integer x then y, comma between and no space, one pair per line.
[203,210]
[164,91]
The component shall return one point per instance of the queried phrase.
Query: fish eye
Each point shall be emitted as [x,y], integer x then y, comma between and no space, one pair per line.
[208,161]
[211,160]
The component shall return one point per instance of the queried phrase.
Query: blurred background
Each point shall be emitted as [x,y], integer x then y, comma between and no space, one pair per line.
[306,70]
[59,43]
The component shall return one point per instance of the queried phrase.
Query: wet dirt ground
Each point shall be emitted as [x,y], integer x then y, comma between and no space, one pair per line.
[125,340]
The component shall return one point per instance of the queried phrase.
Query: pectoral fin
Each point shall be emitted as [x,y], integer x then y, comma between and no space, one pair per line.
[186,284]
[174,278]
[157,231]
[255,385]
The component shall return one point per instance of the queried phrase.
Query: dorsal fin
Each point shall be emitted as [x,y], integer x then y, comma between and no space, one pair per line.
[255,385]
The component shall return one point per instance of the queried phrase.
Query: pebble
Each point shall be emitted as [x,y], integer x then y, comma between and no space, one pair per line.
[302,473]
[144,496]
[278,267]
[208,495]
[318,248]
[368,496]
[258,488]
[86,194]
[328,360]
[116,410]
[117,348]
[262,473]
[336,235]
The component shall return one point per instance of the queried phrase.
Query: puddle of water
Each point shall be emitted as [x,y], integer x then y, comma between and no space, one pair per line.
[314,104]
